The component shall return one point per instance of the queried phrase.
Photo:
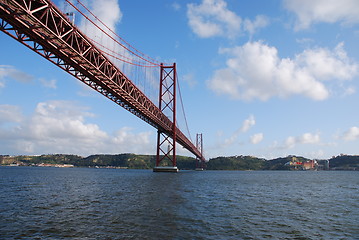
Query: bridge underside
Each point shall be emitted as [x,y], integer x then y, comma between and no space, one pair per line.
[43,28]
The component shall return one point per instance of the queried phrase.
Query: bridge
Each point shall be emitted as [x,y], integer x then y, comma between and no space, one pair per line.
[46,30]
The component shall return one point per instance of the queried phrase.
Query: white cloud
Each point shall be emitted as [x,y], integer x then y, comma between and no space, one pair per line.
[176,6]
[108,11]
[108,15]
[325,64]
[48,83]
[251,27]
[306,138]
[7,71]
[127,138]
[61,127]
[246,125]
[328,11]
[316,154]
[309,138]
[349,91]
[212,18]
[255,71]
[9,113]
[351,134]
[190,79]
[257,138]
[62,120]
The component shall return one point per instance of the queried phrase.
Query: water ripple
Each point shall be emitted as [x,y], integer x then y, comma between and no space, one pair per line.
[49,203]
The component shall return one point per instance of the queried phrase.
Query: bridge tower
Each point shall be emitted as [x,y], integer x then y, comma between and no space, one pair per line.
[200,164]
[166,140]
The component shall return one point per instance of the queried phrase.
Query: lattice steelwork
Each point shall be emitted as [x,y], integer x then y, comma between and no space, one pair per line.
[166,149]
[200,163]
[42,27]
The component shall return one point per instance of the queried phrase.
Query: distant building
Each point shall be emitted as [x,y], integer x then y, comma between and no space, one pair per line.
[309,165]
[295,164]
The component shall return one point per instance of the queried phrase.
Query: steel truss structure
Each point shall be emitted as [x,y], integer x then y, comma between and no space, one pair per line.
[42,27]
[200,162]
[166,149]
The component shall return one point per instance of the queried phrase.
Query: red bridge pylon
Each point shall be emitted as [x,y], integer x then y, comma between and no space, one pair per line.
[166,140]
[200,163]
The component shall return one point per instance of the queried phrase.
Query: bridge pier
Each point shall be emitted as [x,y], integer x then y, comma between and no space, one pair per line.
[165,169]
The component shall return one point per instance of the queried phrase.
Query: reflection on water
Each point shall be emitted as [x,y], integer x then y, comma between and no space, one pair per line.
[80,203]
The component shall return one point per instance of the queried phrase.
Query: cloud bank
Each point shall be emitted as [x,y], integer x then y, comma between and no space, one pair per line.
[62,127]
[255,71]
[212,18]
[246,125]
[109,12]
[309,12]
[351,134]
[10,72]
[306,138]
[256,138]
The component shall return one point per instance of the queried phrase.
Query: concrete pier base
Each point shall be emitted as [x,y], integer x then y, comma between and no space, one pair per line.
[165,169]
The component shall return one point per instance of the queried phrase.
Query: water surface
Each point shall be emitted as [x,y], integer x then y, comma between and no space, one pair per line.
[82,203]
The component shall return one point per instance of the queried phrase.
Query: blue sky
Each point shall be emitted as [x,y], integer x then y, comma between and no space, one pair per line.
[262,78]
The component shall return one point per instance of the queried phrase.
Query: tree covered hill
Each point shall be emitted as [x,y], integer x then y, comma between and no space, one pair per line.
[250,163]
[345,162]
[134,161]
[126,160]
[236,163]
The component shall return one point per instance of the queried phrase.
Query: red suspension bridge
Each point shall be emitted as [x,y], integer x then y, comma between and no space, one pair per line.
[42,27]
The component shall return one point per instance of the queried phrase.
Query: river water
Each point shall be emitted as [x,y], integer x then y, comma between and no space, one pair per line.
[83,203]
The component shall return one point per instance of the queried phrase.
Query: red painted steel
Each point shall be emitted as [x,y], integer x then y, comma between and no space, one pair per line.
[200,163]
[167,104]
[42,27]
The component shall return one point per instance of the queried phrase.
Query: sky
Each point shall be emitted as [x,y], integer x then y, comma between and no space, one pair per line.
[266,78]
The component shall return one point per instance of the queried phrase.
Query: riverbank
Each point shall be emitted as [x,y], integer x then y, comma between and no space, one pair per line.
[134,161]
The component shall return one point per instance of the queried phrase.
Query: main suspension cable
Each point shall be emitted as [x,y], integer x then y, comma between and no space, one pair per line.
[183,110]
[149,60]
[113,53]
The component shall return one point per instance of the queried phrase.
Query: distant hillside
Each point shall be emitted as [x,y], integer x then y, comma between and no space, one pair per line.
[250,163]
[121,160]
[344,162]
[133,161]
[236,163]
[49,158]
[126,160]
